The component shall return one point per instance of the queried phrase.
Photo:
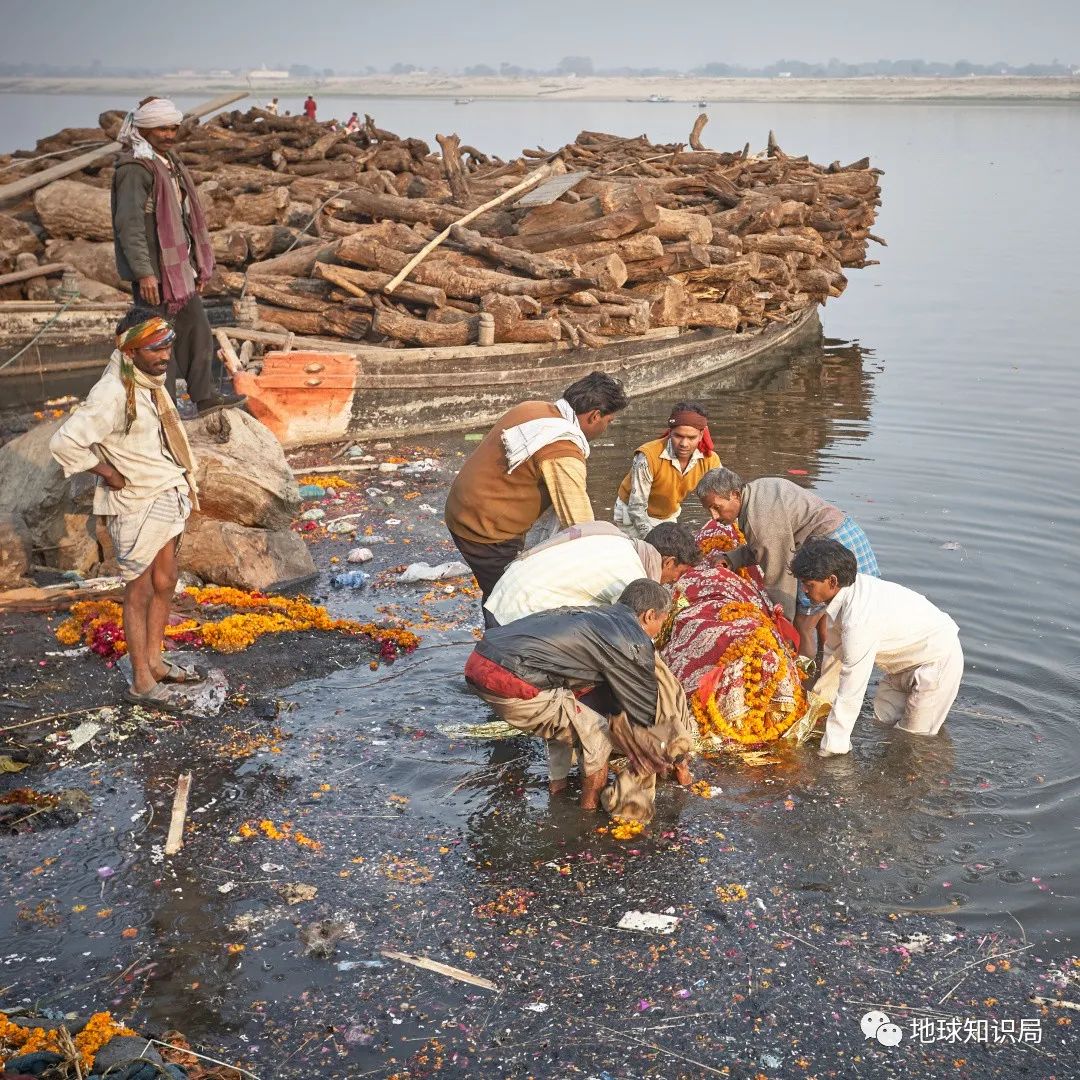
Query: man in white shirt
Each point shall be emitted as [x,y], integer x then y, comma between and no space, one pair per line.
[870,622]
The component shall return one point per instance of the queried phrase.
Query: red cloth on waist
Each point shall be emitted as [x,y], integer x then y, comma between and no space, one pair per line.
[495,679]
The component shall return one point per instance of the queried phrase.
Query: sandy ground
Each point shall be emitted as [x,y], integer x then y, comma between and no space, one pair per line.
[688,88]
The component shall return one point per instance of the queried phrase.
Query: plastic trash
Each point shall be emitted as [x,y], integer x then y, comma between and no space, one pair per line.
[341,526]
[317,513]
[350,579]
[359,555]
[417,468]
[388,466]
[311,491]
[422,571]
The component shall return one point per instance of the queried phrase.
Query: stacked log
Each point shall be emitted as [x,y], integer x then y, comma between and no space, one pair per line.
[318,225]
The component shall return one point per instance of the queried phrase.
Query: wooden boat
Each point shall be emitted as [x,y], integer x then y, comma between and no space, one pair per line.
[69,337]
[319,390]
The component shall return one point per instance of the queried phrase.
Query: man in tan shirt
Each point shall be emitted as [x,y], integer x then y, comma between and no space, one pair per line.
[533,458]
[127,433]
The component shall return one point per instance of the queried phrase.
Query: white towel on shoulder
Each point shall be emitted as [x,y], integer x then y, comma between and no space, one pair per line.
[521,442]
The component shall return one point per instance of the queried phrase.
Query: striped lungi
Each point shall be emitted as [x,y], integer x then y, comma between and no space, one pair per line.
[858,543]
[138,536]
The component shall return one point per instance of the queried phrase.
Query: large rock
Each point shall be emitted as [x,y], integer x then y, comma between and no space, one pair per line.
[93,259]
[247,491]
[69,209]
[228,554]
[16,549]
[242,472]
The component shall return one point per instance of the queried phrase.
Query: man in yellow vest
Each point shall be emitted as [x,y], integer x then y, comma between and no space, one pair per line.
[665,471]
[533,458]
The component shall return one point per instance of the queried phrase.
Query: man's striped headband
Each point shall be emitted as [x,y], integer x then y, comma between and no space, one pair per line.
[152,334]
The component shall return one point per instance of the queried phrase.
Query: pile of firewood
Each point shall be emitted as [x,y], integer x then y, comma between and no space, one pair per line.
[315,225]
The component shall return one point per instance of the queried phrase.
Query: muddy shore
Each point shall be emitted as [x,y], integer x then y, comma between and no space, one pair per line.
[427,842]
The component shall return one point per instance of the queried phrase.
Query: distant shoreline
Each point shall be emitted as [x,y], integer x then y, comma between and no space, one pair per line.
[688,90]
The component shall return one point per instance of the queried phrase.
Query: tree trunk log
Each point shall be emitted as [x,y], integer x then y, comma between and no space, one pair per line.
[296,263]
[366,282]
[640,245]
[453,170]
[682,225]
[267,208]
[696,130]
[70,210]
[608,272]
[703,313]
[360,203]
[393,324]
[537,266]
[558,215]
[610,227]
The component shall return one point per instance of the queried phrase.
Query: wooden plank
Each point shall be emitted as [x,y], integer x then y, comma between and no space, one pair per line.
[17,188]
[44,270]
[551,189]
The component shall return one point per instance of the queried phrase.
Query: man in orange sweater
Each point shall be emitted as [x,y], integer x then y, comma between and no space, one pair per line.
[532,459]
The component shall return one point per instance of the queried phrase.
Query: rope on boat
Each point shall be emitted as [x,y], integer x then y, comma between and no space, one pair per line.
[12,359]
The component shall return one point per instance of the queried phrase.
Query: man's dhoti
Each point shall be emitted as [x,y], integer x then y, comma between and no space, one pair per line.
[562,721]
[139,535]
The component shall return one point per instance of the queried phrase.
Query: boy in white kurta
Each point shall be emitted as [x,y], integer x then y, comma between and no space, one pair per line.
[870,622]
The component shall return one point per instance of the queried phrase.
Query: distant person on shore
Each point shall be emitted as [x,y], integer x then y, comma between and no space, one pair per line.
[532,459]
[587,678]
[587,564]
[163,245]
[129,434]
[352,125]
[665,471]
[774,517]
[870,621]
[310,107]
[271,107]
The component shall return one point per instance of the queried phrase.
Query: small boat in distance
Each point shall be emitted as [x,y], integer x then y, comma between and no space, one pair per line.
[702,104]
[651,99]
[463,101]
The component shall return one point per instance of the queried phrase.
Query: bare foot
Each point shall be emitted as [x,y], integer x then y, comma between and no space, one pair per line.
[683,775]
[556,787]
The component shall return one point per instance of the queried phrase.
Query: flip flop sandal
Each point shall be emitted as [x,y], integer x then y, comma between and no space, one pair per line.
[158,698]
[183,675]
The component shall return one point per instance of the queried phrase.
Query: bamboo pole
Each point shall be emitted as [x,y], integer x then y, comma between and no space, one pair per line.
[533,178]
[17,188]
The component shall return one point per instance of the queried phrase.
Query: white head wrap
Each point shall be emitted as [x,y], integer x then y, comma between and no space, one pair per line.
[157,112]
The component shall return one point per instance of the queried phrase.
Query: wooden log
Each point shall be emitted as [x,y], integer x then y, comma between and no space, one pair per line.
[690,257]
[365,282]
[559,215]
[175,839]
[669,302]
[704,313]
[640,245]
[642,214]
[453,169]
[393,324]
[275,294]
[696,130]
[19,188]
[228,355]
[230,247]
[70,210]
[36,287]
[36,271]
[607,272]
[360,203]
[296,263]
[775,244]
[266,208]
[682,225]
[538,266]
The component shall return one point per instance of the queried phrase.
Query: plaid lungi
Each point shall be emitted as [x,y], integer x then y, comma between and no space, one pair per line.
[858,543]
[138,536]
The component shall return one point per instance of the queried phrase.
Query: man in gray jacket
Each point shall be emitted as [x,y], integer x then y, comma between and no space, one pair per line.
[163,245]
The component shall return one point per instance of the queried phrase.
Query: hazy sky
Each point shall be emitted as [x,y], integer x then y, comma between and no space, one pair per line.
[351,34]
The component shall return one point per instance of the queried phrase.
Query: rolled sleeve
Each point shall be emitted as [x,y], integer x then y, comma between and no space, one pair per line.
[564,478]
[72,444]
[637,502]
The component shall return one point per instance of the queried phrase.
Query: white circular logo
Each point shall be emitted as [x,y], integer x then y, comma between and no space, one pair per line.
[876,1025]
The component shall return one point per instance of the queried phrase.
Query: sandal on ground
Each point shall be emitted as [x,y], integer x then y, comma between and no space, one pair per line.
[181,675]
[158,698]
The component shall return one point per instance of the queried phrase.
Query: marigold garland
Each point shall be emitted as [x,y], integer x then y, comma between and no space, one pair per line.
[723,543]
[100,1028]
[765,664]
[332,482]
[99,624]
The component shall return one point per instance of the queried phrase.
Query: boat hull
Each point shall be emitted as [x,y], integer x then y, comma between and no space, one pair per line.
[309,397]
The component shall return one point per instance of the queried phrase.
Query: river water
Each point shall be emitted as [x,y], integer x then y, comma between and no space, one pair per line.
[940,412]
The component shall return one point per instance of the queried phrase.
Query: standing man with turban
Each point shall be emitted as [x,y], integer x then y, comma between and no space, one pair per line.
[665,471]
[129,434]
[163,245]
